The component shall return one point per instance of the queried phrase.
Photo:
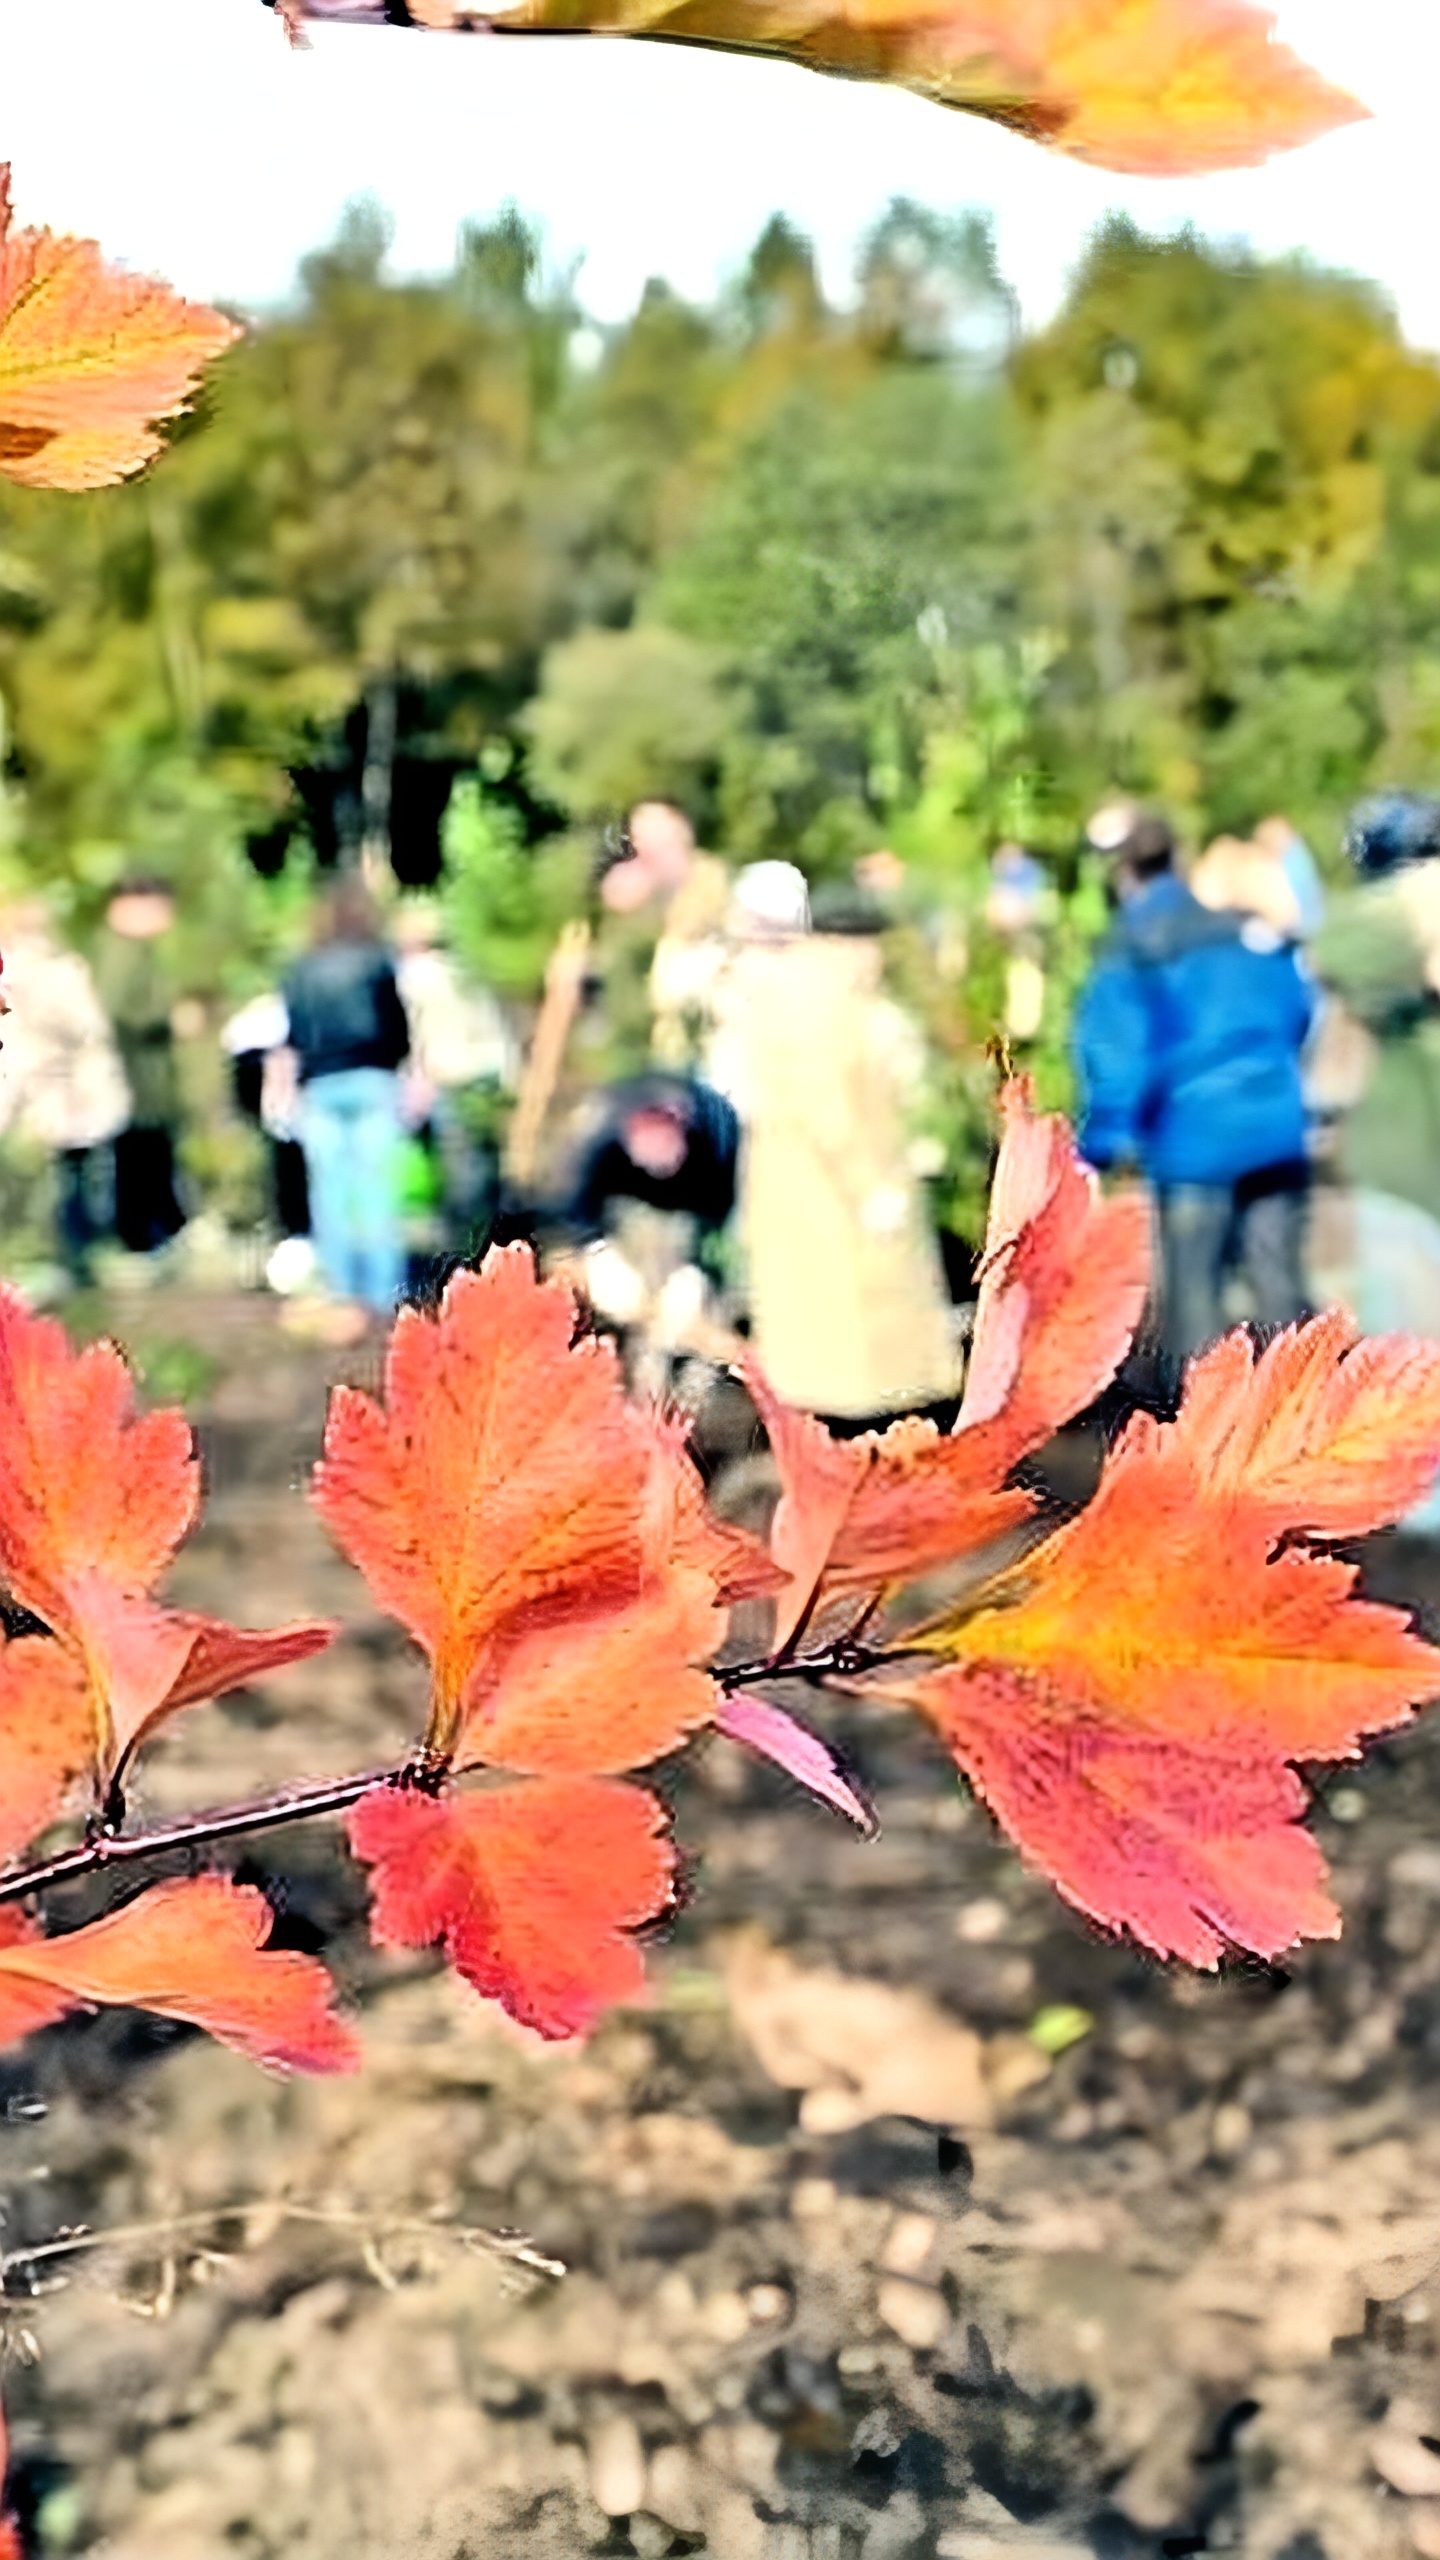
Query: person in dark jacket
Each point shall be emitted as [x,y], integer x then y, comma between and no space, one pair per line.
[1188,1044]
[661,1139]
[348,1036]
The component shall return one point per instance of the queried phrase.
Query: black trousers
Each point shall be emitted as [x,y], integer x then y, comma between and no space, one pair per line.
[147,1213]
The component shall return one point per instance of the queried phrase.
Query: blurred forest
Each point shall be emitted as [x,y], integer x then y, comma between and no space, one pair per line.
[440,564]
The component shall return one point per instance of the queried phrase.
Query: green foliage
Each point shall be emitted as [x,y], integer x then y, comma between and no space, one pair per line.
[1235,517]
[504,902]
[847,577]
[623,716]
[845,527]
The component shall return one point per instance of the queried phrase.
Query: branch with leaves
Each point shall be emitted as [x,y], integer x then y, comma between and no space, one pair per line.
[1156,87]
[1129,1691]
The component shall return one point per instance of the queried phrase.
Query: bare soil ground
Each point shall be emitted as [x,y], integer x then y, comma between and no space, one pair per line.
[855,2270]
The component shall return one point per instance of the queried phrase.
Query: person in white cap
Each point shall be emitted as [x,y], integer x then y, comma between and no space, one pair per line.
[847,1304]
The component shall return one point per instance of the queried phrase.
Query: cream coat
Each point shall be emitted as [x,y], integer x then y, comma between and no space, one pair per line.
[848,1310]
[61,1081]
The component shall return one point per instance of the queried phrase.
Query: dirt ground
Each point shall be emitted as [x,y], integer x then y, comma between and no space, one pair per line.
[908,2219]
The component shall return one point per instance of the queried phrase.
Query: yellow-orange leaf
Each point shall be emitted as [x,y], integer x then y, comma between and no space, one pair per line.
[1154,86]
[1131,1703]
[90,358]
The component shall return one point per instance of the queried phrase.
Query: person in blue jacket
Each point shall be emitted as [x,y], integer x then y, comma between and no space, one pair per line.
[1188,1039]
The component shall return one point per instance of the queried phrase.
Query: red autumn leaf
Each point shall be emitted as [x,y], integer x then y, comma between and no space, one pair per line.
[218,1657]
[1131,1702]
[1063,1282]
[530,1890]
[1153,86]
[9,2529]
[857,1515]
[94,1500]
[47,1736]
[194,1949]
[90,357]
[24,2005]
[514,1510]
[819,1479]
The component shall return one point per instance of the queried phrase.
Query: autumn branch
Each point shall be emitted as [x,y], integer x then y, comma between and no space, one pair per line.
[102,1850]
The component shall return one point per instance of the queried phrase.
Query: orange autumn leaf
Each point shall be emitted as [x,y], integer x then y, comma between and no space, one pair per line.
[47,1737]
[90,358]
[530,1891]
[94,1500]
[1320,1431]
[536,1532]
[24,2005]
[1063,1279]
[1158,87]
[193,1949]
[147,1661]
[582,1693]
[87,1485]
[1132,1699]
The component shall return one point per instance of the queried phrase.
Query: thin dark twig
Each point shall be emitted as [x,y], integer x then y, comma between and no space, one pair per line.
[785,1657]
[842,1658]
[103,1851]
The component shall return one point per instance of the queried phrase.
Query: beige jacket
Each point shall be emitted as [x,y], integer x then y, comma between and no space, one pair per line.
[848,1309]
[61,1081]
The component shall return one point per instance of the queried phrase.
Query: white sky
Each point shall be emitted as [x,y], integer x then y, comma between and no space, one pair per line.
[187,137]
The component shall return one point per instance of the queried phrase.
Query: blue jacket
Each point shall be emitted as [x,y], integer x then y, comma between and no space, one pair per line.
[1188,1039]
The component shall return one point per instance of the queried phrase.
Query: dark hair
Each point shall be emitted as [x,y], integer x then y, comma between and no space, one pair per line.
[615,848]
[346,912]
[839,906]
[1394,828]
[143,884]
[1149,849]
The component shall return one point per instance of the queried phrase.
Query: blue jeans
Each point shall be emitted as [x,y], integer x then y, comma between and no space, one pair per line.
[350,1131]
[1206,1228]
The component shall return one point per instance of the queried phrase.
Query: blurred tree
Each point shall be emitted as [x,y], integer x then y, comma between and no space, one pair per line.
[1222,451]
[865,573]
[622,715]
[841,525]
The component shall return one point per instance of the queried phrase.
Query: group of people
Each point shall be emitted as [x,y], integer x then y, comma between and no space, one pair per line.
[365,1050]
[770,1119]
[1241,1033]
[713,1115]
[90,1071]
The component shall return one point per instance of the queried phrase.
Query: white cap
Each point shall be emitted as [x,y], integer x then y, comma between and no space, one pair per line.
[1112,822]
[770,901]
